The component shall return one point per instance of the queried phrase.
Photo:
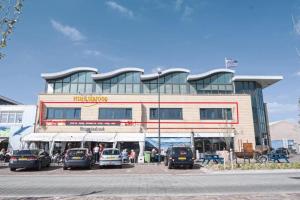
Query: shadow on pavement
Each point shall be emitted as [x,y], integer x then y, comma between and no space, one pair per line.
[51,168]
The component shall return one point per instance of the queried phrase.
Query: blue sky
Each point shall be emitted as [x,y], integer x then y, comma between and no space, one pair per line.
[264,36]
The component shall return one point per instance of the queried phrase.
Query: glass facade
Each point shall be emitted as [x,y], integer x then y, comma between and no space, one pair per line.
[131,83]
[258,109]
[166,113]
[63,113]
[115,113]
[215,114]
[219,83]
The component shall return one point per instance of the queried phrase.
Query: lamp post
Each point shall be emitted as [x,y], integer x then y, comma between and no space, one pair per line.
[158,89]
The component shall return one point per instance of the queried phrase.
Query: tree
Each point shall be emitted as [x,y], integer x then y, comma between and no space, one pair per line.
[10,11]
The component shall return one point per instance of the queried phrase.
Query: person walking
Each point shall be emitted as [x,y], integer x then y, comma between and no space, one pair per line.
[96,153]
[132,156]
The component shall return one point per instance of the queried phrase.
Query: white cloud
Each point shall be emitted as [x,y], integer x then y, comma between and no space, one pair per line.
[178,4]
[96,53]
[90,52]
[296,25]
[280,108]
[298,73]
[70,32]
[121,9]
[187,12]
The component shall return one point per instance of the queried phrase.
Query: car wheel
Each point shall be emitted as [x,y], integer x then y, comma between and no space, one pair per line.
[120,166]
[191,166]
[65,168]
[170,165]
[13,169]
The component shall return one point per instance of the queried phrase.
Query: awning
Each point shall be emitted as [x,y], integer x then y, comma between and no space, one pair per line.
[38,137]
[100,137]
[130,137]
[69,137]
[214,135]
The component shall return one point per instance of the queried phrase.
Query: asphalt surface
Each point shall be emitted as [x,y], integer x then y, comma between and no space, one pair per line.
[165,184]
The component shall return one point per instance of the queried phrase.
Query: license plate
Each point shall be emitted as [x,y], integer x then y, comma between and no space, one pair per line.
[22,158]
[110,158]
[76,158]
[182,158]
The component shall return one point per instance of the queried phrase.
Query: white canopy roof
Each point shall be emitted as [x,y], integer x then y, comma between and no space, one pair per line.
[100,137]
[67,72]
[42,137]
[116,72]
[69,137]
[264,81]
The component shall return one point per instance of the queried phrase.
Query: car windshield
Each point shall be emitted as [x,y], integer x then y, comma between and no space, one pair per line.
[111,152]
[182,151]
[27,152]
[78,153]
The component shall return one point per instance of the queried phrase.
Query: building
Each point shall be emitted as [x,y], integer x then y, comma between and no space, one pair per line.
[16,121]
[7,101]
[81,106]
[285,134]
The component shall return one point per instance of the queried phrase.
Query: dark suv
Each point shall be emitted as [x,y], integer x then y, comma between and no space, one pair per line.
[179,156]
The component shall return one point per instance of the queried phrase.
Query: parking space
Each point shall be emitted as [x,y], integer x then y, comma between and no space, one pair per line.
[130,169]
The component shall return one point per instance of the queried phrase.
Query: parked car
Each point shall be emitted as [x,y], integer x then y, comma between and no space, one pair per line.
[179,156]
[110,157]
[29,159]
[77,157]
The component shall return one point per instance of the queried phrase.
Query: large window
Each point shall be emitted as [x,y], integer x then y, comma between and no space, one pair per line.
[166,113]
[115,113]
[215,114]
[11,116]
[63,113]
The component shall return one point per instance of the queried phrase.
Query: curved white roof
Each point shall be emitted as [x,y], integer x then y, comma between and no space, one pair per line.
[264,81]
[203,75]
[67,72]
[116,72]
[164,72]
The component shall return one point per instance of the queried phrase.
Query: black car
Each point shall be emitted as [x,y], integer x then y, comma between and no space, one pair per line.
[78,157]
[179,156]
[33,159]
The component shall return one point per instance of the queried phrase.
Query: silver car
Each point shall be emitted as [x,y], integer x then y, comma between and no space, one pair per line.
[110,157]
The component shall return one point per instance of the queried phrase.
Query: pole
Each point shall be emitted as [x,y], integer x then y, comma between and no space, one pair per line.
[159,148]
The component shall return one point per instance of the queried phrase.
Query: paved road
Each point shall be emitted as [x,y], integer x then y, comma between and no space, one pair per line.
[165,184]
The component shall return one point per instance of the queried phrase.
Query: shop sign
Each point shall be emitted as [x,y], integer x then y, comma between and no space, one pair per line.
[85,98]
[91,129]
[92,123]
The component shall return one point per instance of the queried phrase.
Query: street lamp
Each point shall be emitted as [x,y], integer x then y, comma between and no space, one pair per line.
[158,89]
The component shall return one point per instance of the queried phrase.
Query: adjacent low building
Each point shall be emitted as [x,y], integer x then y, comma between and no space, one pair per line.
[16,121]
[220,109]
[285,134]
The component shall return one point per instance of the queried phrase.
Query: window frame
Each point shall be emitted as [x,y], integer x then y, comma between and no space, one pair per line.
[152,117]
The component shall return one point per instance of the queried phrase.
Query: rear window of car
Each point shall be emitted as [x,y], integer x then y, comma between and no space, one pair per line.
[78,153]
[182,151]
[26,152]
[111,152]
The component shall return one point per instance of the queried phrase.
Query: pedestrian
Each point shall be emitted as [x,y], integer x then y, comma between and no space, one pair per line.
[96,153]
[132,156]
[153,154]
